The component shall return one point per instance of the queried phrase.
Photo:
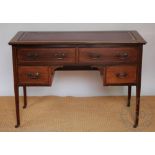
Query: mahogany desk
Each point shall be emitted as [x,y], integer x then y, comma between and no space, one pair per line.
[116,54]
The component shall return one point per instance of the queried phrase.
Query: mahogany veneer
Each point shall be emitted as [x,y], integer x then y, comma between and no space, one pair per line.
[116,54]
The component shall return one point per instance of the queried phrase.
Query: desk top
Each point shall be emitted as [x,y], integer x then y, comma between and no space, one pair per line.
[78,37]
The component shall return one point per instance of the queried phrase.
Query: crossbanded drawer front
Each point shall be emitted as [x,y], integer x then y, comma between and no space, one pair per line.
[108,55]
[120,75]
[46,55]
[39,75]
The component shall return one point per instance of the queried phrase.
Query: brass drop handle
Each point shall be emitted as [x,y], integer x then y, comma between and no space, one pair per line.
[60,56]
[32,55]
[94,56]
[33,75]
[122,55]
[121,75]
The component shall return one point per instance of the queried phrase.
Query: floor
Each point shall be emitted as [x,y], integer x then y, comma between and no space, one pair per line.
[76,114]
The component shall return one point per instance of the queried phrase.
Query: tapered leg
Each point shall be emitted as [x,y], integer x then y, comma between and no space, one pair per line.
[17,106]
[138,89]
[25,97]
[129,96]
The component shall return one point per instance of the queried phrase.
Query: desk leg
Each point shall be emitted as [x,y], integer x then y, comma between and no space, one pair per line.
[138,89]
[25,97]
[129,96]
[17,106]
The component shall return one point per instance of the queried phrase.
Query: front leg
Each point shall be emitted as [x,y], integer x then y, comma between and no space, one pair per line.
[129,96]
[17,106]
[25,97]
[138,89]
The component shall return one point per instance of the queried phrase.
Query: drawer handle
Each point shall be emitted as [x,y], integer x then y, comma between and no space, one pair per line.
[122,75]
[33,75]
[94,56]
[59,56]
[32,55]
[122,56]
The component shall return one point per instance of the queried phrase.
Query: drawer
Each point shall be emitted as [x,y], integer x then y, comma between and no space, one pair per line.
[116,75]
[41,56]
[30,75]
[108,55]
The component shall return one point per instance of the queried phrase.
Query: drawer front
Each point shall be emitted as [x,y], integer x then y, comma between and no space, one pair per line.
[34,75]
[120,75]
[108,55]
[37,56]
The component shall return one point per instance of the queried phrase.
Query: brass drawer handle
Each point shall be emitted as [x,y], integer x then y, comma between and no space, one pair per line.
[94,56]
[33,75]
[32,55]
[123,55]
[122,75]
[59,56]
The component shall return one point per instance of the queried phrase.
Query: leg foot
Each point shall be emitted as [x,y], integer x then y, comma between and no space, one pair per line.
[24,106]
[135,125]
[128,104]
[18,125]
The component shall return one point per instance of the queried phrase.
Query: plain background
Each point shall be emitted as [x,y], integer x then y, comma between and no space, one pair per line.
[77,83]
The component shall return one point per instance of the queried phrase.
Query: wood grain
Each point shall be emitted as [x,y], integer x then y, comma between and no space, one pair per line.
[116,54]
[37,56]
[120,75]
[108,55]
[39,75]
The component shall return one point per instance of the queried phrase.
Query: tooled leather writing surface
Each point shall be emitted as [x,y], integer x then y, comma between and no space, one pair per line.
[100,37]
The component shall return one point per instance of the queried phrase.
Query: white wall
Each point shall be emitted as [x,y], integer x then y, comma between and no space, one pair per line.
[76,83]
